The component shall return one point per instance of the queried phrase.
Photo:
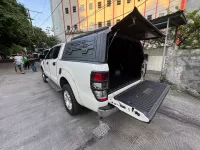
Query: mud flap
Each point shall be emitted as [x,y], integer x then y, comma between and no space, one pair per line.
[142,100]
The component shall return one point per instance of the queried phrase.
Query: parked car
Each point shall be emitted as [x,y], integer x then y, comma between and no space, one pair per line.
[36,56]
[104,71]
[43,54]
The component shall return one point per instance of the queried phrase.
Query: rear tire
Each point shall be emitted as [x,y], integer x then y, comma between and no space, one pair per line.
[72,106]
[44,77]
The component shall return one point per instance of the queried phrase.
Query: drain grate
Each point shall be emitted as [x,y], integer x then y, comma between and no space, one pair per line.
[101,130]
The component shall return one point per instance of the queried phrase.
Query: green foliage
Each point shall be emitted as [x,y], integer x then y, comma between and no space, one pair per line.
[14,24]
[16,49]
[40,39]
[11,50]
[52,40]
[190,33]
[17,32]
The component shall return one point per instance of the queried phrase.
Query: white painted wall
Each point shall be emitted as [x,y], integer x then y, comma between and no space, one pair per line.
[154,63]
[154,59]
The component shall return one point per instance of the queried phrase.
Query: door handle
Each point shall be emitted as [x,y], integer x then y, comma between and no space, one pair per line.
[47,63]
[54,63]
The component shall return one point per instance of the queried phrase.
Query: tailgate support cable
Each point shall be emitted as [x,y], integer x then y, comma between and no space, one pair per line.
[112,39]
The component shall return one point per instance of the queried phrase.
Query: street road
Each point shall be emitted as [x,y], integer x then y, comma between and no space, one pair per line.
[33,117]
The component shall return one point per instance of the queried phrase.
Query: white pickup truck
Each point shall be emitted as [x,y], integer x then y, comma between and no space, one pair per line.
[104,70]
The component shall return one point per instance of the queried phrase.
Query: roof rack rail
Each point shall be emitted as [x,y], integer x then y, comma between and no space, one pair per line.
[90,32]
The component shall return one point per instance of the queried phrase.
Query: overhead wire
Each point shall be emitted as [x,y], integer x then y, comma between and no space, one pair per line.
[146,11]
[161,5]
[35,15]
[138,6]
[51,13]
[107,20]
[114,18]
[42,9]
[167,8]
[95,12]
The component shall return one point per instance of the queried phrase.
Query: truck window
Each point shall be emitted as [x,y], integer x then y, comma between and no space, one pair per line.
[45,52]
[83,49]
[49,54]
[56,52]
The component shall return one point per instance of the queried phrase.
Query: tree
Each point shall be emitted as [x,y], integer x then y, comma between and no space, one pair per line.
[14,24]
[16,30]
[40,39]
[189,35]
[51,41]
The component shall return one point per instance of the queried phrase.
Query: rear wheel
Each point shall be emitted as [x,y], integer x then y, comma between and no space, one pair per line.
[70,102]
[44,77]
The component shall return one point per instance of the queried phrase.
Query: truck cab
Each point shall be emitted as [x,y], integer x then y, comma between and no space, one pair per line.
[104,70]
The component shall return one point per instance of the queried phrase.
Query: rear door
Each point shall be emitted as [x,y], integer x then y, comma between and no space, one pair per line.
[53,63]
[135,26]
[141,99]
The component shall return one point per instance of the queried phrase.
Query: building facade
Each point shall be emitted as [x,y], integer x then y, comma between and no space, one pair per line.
[74,17]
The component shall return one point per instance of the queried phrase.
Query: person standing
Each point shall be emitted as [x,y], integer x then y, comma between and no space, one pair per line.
[25,59]
[19,63]
[28,65]
[15,66]
[32,62]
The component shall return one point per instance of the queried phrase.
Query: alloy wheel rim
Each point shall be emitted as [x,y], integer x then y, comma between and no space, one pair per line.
[67,99]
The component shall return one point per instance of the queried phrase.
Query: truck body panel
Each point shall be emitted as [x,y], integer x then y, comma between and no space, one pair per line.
[77,61]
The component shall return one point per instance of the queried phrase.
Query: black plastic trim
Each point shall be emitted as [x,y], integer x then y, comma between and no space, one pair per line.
[107,107]
[60,71]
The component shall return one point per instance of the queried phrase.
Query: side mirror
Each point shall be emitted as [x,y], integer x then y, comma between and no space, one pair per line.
[42,57]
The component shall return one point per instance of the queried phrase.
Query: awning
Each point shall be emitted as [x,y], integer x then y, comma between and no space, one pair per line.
[176,19]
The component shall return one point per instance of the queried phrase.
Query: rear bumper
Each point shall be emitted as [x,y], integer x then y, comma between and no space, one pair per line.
[107,110]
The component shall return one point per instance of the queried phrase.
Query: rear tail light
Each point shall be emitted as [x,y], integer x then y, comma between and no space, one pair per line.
[101,95]
[99,76]
[99,85]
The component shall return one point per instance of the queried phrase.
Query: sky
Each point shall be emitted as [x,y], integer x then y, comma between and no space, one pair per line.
[40,6]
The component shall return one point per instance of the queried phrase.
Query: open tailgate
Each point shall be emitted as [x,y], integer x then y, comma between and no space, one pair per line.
[135,26]
[142,100]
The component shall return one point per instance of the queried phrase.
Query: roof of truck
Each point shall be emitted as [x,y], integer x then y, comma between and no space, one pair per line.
[91,32]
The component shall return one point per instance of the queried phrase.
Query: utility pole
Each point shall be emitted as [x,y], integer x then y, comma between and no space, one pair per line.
[29,16]
[165,48]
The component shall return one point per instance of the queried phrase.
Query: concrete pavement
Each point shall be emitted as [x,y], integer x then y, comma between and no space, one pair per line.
[179,105]
[33,117]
